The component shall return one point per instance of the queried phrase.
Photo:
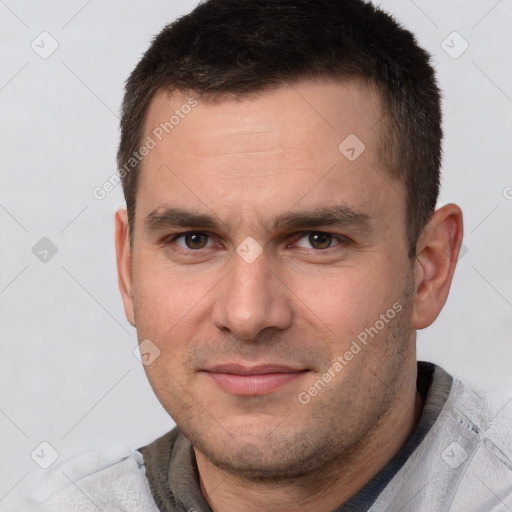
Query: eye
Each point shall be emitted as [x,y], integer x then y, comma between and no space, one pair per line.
[192,240]
[318,240]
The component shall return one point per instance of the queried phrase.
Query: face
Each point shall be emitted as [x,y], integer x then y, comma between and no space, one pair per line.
[270,269]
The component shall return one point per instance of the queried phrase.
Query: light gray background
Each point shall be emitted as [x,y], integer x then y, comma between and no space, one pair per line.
[68,375]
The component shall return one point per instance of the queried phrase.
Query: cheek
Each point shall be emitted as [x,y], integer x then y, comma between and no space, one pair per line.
[343,303]
[340,298]
[165,297]
[166,309]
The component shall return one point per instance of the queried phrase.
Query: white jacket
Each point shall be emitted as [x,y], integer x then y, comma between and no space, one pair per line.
[463,464]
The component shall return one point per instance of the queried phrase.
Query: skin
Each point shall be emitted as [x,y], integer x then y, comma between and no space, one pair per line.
[246,162]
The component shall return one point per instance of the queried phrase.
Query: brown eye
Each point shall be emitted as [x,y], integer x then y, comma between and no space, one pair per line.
[320,240]
[195,240]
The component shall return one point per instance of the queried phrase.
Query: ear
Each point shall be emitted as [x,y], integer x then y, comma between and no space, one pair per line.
[436,257]
[124,263]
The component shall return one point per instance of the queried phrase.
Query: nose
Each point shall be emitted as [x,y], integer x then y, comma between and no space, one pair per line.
[251,298]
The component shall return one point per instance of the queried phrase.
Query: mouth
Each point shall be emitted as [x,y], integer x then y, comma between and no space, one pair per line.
[253,380]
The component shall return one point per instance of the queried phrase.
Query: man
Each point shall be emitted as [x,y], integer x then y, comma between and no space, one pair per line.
[280,248]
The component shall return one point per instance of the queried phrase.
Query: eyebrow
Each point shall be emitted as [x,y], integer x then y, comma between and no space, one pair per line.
[338,216]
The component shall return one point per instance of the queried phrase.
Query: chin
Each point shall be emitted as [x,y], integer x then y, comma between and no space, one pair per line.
[266,457]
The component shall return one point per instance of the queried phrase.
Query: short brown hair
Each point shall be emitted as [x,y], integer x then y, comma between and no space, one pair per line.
[245,46]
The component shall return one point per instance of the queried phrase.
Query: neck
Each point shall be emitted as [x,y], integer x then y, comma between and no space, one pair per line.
[328,487]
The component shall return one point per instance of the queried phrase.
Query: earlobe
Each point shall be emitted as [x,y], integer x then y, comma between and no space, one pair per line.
[124,263]
[436,257]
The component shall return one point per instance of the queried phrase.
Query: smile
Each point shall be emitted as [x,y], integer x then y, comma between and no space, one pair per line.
[260,380]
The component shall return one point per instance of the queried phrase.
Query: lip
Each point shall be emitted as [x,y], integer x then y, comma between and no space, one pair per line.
[252,380]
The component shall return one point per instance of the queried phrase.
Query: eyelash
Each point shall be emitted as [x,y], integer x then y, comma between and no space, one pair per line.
[342,241]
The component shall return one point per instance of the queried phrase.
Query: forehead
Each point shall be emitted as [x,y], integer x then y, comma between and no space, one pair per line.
[305,108]
[266,152]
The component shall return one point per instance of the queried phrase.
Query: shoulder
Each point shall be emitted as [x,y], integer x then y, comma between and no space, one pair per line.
[90,482]
[487,475]
[463,463]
